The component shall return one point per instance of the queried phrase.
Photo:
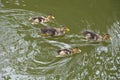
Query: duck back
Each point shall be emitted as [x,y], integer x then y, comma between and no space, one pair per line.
[92,35]
[64,51]
[50,31]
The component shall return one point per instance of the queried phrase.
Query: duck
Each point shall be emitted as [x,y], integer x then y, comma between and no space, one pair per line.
[53,31]
[90,35]
[67,52]
[41,19]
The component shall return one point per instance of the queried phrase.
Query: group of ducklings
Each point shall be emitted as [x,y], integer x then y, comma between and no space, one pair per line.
[53,31]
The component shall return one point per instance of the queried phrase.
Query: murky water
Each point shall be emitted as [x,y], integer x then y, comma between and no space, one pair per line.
[26,55]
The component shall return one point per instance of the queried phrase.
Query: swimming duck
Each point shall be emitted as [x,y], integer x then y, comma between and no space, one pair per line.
[54,31]
[41,19]
[90,35]
[68,52]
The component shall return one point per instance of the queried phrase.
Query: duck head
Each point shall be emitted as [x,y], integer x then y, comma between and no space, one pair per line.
[64,29]
[50,17]
[107,37]
[76,50]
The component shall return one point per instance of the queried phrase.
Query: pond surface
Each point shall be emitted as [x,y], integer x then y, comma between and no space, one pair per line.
[26,55]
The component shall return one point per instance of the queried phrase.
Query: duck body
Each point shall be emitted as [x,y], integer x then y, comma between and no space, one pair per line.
[54,31]
[90,35]
[41,19]
[64,51]
[67,52]
[48,31]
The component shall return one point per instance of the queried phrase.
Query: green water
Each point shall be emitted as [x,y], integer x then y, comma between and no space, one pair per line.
[26,55]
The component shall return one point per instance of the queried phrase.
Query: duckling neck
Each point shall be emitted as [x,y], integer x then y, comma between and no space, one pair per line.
[48,17]
[73,52]
[45,20]
[100,38]
[59,32]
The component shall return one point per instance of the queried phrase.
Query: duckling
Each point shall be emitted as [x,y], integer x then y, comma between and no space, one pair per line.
[54,31]
[68,52]
[41,19]
[90,35]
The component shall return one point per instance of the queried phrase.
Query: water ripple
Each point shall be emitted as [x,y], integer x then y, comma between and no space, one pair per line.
[27,55]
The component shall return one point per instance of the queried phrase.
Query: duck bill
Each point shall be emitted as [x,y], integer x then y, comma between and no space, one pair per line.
[79,50]
[53,17]
[67,29]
